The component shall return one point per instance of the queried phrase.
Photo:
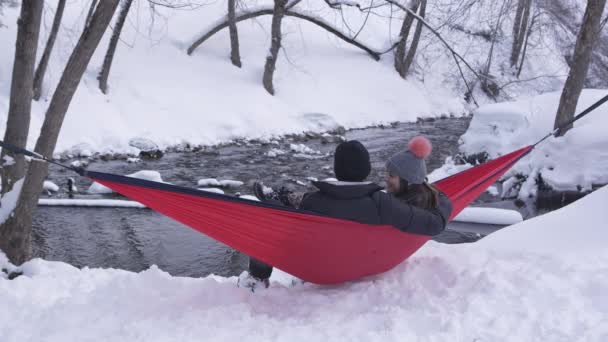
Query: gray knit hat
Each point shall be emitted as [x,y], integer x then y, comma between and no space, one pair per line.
[410,165]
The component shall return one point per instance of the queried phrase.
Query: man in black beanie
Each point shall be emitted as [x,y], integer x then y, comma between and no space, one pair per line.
[351,198]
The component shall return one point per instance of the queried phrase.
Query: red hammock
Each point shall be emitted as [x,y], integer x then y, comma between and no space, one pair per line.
[315,248]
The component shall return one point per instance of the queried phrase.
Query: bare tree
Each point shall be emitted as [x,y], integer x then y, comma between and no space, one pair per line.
[18,123]
[271,59]
[488,85]
[409,59]
[520,27]
[585,41]
[15,232]
[406,26]
[235,55]
[107,61]
[46,55]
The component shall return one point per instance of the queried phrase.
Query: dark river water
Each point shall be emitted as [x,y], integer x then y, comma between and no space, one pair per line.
[135,239]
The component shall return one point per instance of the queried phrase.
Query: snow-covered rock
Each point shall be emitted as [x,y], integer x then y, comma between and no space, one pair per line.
[50,186]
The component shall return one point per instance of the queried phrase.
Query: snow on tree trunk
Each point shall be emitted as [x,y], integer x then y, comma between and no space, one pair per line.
[18,122]
[90,14]
[107,61]
[271,59]
[411,53]
[517,28]
[15,233]
[46,55]
[235,55]
[403,34]
[585,41]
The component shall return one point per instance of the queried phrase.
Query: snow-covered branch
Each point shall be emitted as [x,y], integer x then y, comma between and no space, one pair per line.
[224,22]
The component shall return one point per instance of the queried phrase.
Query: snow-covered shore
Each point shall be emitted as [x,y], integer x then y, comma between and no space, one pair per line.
[578,160]
[540,280]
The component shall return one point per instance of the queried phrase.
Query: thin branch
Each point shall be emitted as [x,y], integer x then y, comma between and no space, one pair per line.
[425,23]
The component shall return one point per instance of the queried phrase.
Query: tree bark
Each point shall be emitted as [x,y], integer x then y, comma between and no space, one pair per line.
[235,55]
[525,49]
[403,34]
[90,14]
[271,59]
[46,55]
[411,53]
[20,106]
[518,40]
[517,29]
[15,233]
[107,61]
[585,41]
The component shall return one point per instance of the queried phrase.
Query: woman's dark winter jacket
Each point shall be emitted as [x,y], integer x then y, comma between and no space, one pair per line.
[365,203]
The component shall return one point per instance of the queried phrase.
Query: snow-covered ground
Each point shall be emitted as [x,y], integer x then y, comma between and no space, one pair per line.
[163,97]
[577,160]
[540,280]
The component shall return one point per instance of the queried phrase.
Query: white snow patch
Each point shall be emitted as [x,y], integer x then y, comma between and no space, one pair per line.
[274,152]
[89,203]
[227,183]
[489,216]
[8,202]
[50,186]
[208,182]
[249,197]
[214,190]
[8,160]
[302,149]
[447,169]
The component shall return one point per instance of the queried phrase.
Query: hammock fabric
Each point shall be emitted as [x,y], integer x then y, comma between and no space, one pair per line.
[310,246]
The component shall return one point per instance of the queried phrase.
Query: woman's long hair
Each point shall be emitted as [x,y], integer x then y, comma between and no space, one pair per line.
[424,196]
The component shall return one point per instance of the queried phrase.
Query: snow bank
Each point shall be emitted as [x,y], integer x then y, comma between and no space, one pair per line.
[580,229]
[577,160]
[540,280]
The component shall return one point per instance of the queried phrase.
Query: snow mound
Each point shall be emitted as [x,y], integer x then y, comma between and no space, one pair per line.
[580,228]
[227,183]
[64,202]
[50,186]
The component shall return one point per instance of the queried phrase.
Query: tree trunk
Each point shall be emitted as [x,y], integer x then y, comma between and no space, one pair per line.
[46,55]
[523,53]
[271,59]
[403,34]
[521,35]
[90,14]
[585,41]
[15,233]
[411,53]
[19,111]
[107,61]
[517,30]
[235,55]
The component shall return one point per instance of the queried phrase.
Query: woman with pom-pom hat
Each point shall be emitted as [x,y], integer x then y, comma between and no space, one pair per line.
[406,175]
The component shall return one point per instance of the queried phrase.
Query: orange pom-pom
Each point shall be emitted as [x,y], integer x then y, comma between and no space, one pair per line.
[420,146]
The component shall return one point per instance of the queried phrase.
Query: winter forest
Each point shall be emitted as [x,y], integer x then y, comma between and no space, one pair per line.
[376,170]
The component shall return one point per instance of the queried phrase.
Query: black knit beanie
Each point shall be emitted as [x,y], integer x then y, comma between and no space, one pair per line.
[351,162]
